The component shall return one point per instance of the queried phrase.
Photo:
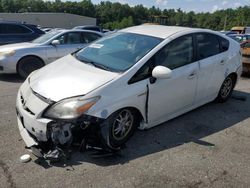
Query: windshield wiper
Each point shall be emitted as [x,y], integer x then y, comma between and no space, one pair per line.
[99,66]
[87,61]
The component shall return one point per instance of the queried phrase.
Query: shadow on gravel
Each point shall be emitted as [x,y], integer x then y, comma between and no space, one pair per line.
[15,78]
[190,127]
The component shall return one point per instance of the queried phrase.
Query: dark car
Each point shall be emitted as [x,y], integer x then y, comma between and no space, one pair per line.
[14,32]
[89,27]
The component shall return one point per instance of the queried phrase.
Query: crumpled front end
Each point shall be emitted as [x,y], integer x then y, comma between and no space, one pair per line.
[48,138]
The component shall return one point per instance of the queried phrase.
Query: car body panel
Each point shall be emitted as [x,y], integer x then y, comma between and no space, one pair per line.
[29,109]
[182,86]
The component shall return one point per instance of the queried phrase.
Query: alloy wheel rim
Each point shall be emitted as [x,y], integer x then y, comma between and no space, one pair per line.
[226,87]
[122,124]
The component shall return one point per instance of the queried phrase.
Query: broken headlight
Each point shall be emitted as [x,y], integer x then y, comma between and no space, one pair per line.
[70,108]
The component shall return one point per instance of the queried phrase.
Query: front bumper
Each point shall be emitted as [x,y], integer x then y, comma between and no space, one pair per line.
[43,135]
[8,64]
[29,141]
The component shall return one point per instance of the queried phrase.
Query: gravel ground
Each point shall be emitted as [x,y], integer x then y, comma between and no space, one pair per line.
[208,147]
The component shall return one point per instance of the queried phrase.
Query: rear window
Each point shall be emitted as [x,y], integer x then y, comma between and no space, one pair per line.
[224,43]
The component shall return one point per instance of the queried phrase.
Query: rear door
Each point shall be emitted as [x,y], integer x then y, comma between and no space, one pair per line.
[212,66]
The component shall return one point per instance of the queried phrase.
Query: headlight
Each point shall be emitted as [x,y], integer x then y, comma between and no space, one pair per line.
[7,53]
[70,108]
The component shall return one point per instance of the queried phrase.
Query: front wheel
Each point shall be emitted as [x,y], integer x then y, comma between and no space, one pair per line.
[226,89]
[27,65]
[120,127]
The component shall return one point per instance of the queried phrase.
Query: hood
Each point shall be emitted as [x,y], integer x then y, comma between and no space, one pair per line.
[68,77]
[17,46]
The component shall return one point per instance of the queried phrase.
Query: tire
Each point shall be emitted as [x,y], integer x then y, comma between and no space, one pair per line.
[121,126]
[226,89]
[27,65]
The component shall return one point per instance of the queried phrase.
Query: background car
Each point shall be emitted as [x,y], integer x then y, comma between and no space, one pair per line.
[240,37]
[14,32]
[246,56]
[137,77]
[23,58]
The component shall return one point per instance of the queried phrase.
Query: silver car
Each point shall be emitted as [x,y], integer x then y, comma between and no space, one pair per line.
[23,58]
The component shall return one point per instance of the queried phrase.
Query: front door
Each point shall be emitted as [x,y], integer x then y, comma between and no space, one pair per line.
[171,96]
[69,42]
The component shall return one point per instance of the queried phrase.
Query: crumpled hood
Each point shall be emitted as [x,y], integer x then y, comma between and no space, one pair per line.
[17,46]
[68,77]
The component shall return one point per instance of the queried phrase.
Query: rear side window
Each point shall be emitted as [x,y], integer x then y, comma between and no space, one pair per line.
[14,29]
[74,38]
[89,37]
[208,45]
[224,43]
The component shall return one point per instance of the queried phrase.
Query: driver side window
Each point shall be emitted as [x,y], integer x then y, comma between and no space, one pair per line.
[62,39]
[70,38]
[177,53]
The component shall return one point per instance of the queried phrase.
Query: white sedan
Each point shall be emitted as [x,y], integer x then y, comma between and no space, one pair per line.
[138,77]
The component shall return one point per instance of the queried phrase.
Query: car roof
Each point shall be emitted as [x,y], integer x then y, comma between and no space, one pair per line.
[159,31]
[80,30]
[90,26]
[15,22]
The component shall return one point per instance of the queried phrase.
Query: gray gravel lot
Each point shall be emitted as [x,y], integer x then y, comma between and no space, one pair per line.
[208,147]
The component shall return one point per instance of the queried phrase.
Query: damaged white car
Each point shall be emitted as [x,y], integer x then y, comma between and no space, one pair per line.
[138,77]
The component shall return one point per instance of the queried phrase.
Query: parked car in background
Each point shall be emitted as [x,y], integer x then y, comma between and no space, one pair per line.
[240,37]
[23,58]
[89,27]
[137,77]
[228,32]
[15,32]
[246,56]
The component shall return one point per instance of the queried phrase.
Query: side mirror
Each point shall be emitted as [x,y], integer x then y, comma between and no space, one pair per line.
[161,72]
[55,42]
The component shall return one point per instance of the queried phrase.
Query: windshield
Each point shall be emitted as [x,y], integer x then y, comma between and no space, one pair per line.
[44,38]
[117,52]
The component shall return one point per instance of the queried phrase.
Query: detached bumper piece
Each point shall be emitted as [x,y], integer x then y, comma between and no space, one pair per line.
[86,133]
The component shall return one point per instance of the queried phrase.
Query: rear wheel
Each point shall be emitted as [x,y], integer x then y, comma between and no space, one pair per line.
[226,89]
[27,65]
